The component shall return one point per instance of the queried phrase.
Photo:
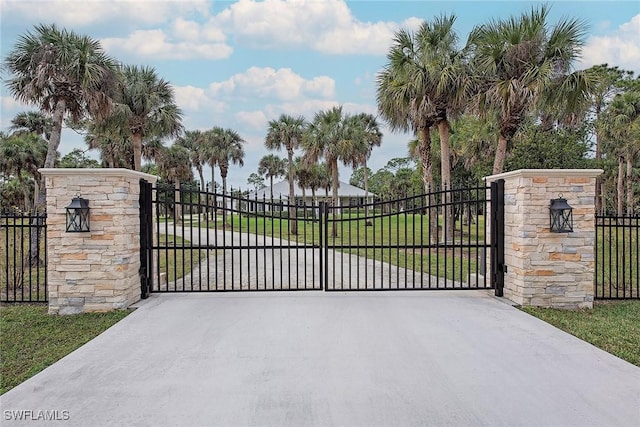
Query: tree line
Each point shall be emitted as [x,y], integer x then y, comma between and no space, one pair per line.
[508,98]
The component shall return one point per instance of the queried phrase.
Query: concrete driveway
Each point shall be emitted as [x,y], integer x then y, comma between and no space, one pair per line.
[360,359]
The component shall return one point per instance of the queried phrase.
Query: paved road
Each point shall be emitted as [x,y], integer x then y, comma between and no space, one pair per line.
[458,358]
[262,265]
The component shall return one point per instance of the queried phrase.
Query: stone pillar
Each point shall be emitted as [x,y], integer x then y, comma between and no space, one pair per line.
[96,270]
[543,268]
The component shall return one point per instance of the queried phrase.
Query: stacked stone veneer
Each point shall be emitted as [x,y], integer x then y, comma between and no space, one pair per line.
[97,270]
[543,268]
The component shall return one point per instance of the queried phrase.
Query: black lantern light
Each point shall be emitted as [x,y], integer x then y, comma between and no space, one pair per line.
[78,215]
[561,215]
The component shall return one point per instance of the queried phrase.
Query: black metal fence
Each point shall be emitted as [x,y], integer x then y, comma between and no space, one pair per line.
[617,257]
[23,257]
[206,242]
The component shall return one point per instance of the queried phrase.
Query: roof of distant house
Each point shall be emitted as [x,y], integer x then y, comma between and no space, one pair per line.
[281,190]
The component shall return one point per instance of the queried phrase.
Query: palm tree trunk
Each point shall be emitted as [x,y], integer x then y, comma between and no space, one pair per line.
[445,163]
[176,201]
[201,176]
[271,194]
[629,184]
[620,186]
[137,150]
[424,151]
[213,190]
[598,158]
[334,185]
[52,151]
[223,174]
[501,155]
[366,194]
[293,226]
[314,201]
[25,190]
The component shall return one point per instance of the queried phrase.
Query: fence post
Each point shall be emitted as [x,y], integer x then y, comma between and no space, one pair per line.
[544,268]
[98,270]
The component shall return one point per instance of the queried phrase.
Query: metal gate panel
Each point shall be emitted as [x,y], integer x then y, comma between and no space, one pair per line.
[228,243]
[206,242]
[429,241]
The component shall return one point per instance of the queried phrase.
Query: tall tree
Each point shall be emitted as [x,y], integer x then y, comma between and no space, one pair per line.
[78,159]
[227,148]
[113,143]
[34,122]
[364,128]
[402,98]
[523,66]
[194,142]
[211,153]
[608,82]
[271,166]
[255,181]
[287,132]
[623,128]
[63,73]
[146,107]
[174,166]
[329,136]
[21,154]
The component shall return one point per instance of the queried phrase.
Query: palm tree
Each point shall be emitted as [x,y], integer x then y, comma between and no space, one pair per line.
[113,143]
[63,73]
[609,82]
[271,166]
[287,132]
[225,147]
[194,142]
[146,108]
[437,83]
[623,120]
[231,150]
[404,102]
[523,66]
[21,154]
[333,136]
[174,166]
[365,127]
[34,122]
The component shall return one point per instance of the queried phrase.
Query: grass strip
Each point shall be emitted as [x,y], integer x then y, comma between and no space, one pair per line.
[613,326]
[32,340]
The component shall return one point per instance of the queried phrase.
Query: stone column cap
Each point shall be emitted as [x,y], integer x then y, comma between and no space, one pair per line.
[98,172]
[549,173]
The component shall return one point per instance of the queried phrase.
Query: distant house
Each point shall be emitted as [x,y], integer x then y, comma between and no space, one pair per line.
[348,195]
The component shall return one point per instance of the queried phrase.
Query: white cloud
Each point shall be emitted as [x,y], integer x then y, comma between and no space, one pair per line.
[620,47]
[87,12]
[266,82]
[158,44]
[253,119]
[326,26]
[195,99]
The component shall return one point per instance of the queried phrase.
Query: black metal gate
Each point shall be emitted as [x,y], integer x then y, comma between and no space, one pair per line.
[203,242]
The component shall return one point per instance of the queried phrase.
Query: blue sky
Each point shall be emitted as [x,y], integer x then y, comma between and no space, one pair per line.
[241,64]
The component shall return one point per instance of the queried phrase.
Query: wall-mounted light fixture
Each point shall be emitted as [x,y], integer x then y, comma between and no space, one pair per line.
[560,215]
[78,215]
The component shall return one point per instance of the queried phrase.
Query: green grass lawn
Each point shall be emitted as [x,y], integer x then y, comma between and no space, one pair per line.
[611,326]
[33,340]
